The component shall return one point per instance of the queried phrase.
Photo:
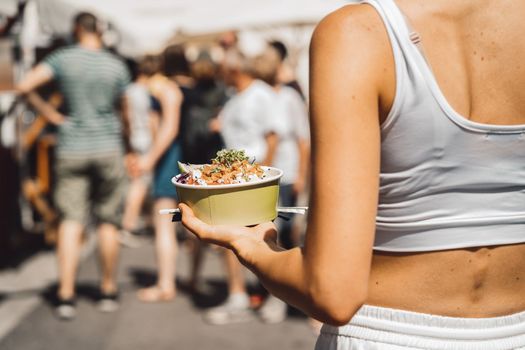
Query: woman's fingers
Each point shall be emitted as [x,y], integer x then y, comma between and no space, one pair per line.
[199,228]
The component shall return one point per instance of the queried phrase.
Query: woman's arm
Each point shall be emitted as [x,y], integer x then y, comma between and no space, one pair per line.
[170,101]
[130,158]
[328,278]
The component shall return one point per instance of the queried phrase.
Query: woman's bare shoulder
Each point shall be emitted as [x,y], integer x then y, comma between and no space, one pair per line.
[351,47]
[352,25]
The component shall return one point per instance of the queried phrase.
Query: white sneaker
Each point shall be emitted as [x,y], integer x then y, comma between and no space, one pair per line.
[273,310]
[108,302]
[236,309]
[66,310]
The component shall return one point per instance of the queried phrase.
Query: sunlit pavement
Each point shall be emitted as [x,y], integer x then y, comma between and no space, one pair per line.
[27,321]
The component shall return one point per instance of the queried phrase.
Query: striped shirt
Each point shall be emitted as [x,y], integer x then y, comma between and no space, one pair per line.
[91,82]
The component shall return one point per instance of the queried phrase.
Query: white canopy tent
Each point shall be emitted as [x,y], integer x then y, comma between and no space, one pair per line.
[141,27]
[146,26]
[8,7]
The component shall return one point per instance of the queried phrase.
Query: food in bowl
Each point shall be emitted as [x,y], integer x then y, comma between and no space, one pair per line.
[229,167]
[230,191]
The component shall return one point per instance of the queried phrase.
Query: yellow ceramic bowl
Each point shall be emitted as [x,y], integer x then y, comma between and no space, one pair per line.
[236,204]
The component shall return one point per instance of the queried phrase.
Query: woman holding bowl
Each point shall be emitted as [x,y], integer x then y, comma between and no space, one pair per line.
[416,228]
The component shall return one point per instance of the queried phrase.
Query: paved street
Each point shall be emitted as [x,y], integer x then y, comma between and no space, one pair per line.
[27,321]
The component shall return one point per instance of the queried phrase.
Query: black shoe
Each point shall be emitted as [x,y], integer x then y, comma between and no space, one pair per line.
[108,302]
[66,309]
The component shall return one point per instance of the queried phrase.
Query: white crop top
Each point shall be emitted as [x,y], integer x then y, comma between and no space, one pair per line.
[446,182]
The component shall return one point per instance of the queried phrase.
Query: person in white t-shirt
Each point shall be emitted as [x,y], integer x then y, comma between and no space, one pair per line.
[248,118]
[247,122]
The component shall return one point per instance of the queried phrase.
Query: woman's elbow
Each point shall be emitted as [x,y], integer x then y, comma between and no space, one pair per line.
[337,309]
[339,315]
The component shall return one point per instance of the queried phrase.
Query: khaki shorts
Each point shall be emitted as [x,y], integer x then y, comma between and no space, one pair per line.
[90,186]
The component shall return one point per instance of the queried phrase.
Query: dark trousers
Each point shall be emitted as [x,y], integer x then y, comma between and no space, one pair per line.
[287,198]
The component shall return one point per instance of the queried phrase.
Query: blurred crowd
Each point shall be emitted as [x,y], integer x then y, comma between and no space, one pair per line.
[118,127]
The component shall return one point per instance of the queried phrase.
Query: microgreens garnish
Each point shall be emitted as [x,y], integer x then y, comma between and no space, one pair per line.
[229,156]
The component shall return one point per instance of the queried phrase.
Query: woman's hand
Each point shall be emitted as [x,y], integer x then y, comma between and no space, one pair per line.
[245,242]
[145,164]
[130,161]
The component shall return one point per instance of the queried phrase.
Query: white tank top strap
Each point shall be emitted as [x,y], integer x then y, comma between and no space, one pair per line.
[395,21]
[408,48]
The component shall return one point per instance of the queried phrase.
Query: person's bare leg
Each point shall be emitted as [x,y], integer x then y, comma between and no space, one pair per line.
[166,251]
[165,244]
[236,283]
[109,250]
[68,254]
[134,200]
[197,249]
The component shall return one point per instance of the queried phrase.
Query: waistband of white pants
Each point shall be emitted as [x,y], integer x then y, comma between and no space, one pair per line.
[407,328]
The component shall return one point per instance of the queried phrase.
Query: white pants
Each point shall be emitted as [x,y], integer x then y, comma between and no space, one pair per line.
[377,328]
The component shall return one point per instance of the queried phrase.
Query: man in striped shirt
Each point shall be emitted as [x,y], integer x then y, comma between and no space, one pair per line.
[89,169]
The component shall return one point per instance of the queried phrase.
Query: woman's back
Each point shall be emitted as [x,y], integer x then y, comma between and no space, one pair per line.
[475,53]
